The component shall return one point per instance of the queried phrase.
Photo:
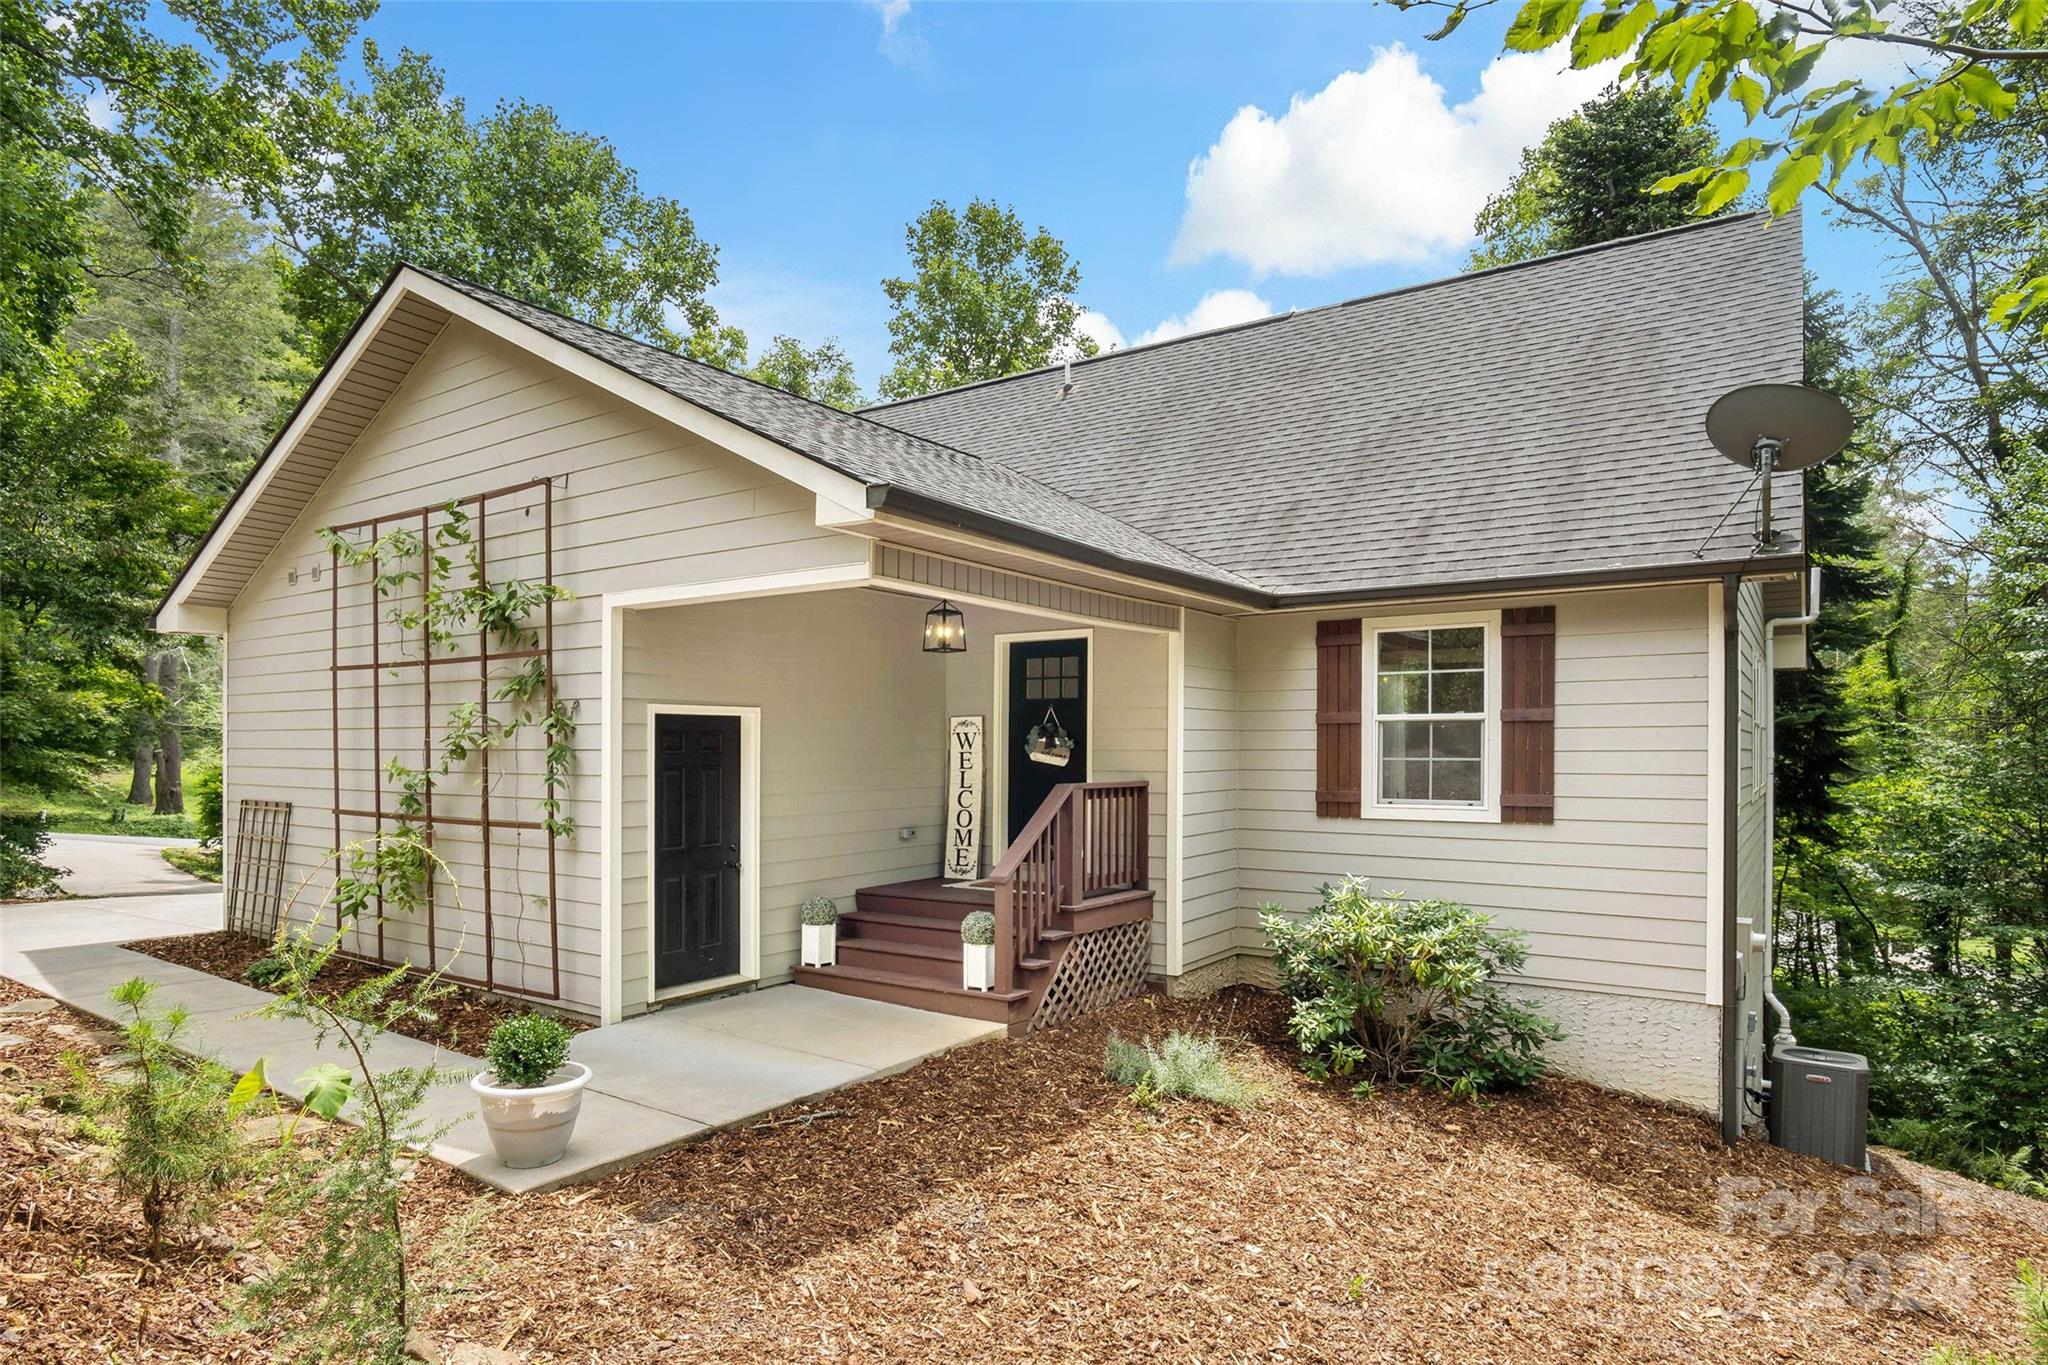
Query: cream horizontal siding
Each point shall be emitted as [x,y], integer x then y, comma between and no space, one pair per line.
[1612,895]
[852,748]
[1210,778]
[644,505]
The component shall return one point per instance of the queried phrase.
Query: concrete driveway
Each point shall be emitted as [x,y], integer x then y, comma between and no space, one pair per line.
[112,865]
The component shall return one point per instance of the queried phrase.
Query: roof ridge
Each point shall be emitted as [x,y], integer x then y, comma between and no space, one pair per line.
[1273,319]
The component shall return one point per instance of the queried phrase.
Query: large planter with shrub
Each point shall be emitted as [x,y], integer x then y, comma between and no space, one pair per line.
[978,951]
[821,932]
[532,1093]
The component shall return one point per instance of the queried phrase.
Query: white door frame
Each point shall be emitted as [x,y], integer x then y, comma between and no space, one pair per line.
[999,747]
[750,848]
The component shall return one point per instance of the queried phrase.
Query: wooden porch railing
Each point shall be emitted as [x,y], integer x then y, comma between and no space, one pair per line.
[1088,839]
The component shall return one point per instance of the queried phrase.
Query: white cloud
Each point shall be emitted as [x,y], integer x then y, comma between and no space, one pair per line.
[1219,308]
[1099,329]
[902,42]
[1377,166]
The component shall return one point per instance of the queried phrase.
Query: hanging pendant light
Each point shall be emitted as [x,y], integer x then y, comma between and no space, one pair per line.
[945,630]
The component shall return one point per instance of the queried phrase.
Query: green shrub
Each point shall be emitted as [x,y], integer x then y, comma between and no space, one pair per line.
[168,1119]
[2030,1292]
[525,1051]
[1399,991]
[24,837]
[266,971]
[1184,1066]
[820,910]
[208,802]
[978,927]
[1958,1065]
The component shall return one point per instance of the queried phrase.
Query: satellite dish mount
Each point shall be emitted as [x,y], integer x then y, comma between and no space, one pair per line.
[1773,428]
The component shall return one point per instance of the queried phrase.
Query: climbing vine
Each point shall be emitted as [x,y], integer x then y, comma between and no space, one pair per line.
[416,572]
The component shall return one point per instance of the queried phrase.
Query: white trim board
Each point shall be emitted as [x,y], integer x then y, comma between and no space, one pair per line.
[750,849]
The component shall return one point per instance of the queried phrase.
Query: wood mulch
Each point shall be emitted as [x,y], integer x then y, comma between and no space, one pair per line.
[461,1023]
[1003,1201]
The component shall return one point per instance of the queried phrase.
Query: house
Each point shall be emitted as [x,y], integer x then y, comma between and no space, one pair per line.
[1442,586]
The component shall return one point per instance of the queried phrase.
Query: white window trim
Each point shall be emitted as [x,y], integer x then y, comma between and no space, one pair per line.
[1371,806]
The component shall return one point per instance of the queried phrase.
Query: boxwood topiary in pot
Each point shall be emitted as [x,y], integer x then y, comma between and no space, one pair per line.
[978,950]
[531,1095]
[820,917]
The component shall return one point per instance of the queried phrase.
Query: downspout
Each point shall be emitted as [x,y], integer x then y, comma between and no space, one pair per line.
[1765,939]
[1731,1008]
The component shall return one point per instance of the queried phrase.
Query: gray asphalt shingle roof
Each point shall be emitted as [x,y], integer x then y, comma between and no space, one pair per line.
[877,455]
[1532,421]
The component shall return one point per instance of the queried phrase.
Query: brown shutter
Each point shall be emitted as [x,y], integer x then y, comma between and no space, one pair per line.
[1340,674]
[1528,748]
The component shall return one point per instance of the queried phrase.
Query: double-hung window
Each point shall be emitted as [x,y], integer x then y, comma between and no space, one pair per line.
[1433,743]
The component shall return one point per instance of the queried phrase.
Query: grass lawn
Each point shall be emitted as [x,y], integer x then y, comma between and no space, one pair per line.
[102,809]
[1004,1201]
[199,862]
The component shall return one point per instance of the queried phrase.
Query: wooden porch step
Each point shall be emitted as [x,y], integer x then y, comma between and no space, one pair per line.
[921,959]
[929,897]
[896,926]
[919,992]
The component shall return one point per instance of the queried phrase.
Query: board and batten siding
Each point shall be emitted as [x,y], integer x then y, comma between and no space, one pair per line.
[853,735]
[644,505]
[1612,895]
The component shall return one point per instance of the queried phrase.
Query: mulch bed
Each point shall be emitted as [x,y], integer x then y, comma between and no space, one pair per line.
[1005,1202]
[461,1023]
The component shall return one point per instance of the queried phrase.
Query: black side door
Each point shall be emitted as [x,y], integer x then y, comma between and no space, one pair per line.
[1048,692]
[696,848]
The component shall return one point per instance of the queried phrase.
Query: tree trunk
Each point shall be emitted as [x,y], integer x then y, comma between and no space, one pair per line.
[170,764]
[145,739]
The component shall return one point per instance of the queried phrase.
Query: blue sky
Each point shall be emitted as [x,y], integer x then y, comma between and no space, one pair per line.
[1334,150]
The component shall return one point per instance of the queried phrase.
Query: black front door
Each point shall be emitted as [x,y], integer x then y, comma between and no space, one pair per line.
[1049,695]
[696,848]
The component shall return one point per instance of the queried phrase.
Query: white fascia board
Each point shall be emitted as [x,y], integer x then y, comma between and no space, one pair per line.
[191,619]
[779,460]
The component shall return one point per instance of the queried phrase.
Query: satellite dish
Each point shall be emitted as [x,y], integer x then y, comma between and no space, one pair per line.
[1770,427]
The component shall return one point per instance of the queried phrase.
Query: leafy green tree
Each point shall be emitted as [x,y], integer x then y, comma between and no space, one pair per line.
[96,99]
[1976,61]
[1590,178]
[90,527]
[218,347]
[822,372]
[513,200]
[983,299]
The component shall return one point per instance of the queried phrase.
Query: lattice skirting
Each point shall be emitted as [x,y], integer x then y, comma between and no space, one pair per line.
[1098,969]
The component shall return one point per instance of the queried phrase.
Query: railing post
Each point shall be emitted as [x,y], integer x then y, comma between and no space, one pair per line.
[1007,929]
[1070,830]
[1141,841]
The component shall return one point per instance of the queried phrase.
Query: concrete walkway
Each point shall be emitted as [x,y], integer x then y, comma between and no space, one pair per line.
[115,865]
[659,1080]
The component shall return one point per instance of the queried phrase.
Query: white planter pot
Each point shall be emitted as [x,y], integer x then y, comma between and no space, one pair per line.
[531,1127]
[821,945]
[978,966]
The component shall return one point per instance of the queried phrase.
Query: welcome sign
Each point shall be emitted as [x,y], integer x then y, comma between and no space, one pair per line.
[963,798]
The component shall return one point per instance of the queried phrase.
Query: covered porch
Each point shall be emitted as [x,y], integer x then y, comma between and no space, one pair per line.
[781,746]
